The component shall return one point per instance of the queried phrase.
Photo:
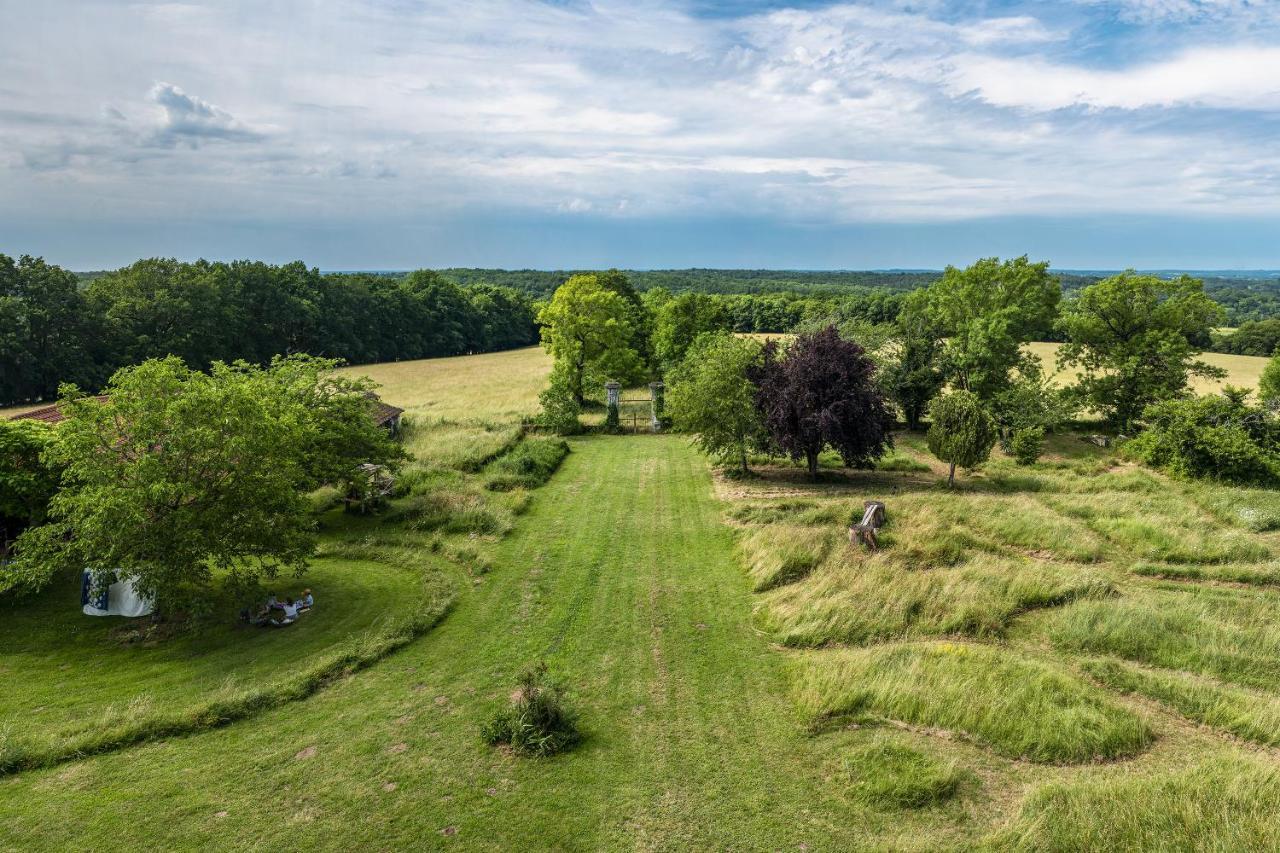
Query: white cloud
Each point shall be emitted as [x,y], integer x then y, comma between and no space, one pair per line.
[853,112]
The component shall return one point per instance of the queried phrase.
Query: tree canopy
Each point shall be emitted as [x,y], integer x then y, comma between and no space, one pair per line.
[713,397]
[587,329]
[27,482]
[1133,337]
[180,474]
[986,312]
[961,431]
[823,392]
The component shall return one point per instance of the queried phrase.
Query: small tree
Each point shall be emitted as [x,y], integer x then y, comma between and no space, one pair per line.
[180,474]
[587,328]
[822,393]
[713,396]
[961,432]
[560,411]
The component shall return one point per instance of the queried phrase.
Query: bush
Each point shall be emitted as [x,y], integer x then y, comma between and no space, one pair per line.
[1027,444]
[537,720]
[560,410]
[528,466]
[1216,437]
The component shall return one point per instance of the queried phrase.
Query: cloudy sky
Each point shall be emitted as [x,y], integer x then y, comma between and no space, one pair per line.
[386,134]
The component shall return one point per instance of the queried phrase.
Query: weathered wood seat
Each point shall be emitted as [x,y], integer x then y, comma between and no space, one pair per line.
[864,532]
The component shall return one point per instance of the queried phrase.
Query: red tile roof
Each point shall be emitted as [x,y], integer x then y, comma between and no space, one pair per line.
[382,412]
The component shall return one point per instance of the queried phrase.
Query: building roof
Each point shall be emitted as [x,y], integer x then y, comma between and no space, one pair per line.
[49,414]
[383,413]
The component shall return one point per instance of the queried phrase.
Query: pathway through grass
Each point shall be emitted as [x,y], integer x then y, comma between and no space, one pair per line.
[624,578]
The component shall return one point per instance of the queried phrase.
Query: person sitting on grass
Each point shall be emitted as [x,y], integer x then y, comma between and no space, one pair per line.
[273,603]
[307,601]
[290,611]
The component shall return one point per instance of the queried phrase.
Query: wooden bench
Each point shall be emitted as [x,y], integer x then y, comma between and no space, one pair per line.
[864,532]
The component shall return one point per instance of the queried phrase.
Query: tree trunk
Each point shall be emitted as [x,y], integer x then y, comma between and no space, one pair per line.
[813,464]
[951,477]
[744,458]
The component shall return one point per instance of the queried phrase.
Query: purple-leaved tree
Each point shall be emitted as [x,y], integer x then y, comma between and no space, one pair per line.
[822,392]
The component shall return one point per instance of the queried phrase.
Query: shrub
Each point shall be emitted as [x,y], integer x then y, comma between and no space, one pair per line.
[1027,444]
[537,720]
[1218,437]
[560,410]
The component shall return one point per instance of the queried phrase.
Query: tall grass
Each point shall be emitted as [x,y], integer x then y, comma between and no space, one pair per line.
[1249,714]
[851,600]
[781,554]
[1019,707]
[1230,803]
[888,773]
[1230,635]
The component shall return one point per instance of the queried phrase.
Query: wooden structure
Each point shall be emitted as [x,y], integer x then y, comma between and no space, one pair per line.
[865,531]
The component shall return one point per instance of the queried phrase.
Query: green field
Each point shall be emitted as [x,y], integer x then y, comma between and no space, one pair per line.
[1079,654]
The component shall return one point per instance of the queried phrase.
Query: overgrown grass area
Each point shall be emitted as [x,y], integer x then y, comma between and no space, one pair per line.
[1080,611]
[1228,803]
[1019,707]
[888,773]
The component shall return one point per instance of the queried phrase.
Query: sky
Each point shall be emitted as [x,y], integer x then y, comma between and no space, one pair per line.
[393,134]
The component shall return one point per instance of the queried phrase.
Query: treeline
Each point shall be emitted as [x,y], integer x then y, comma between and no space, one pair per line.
[55,328]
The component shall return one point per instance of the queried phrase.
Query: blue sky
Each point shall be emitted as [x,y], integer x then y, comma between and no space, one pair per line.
[651,133]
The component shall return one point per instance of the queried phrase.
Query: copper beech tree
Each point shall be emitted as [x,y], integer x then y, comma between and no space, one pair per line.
[823,393]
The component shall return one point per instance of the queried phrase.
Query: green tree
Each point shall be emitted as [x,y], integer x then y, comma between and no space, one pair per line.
[1133,338]
[1269,384]
[27,482]
[587,330]
[679,321]
[559,410]
[179,475]
[712,396]
[986,312]
[912,374]
[960,431]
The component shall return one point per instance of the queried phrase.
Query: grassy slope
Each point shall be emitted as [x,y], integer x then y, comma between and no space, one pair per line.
[622,577]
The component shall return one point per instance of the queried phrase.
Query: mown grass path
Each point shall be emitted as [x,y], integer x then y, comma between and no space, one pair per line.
[624,578]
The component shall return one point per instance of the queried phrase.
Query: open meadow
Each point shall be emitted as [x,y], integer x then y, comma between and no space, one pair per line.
[1080,653]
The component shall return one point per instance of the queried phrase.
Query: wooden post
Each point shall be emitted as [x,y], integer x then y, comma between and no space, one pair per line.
[611,389]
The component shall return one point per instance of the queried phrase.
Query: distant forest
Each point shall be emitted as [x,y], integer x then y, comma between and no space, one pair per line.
[1245,296]
[58,326]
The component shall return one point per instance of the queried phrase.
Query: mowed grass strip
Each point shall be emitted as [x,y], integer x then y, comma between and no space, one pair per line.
[857,599]
[1221,804]
[1249,714]
[1018,707]
[1233,635]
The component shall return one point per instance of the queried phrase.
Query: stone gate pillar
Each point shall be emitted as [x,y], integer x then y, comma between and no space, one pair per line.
[612,389]
[657,403]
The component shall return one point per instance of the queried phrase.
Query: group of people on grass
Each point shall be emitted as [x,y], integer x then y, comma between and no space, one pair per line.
[275,612]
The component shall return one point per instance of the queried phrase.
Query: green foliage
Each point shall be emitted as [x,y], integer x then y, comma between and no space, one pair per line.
[1213,437]
[1255,337]
[712,396]
[1026,444]
[960,431]
[587,329]
[179,474]
[1032,402]
[986,312]
[913,374]
[679,321]
[1134,338]
[559,409]
[537,720]
[528,466]
[1269,383]
[887,773]
[27,483]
